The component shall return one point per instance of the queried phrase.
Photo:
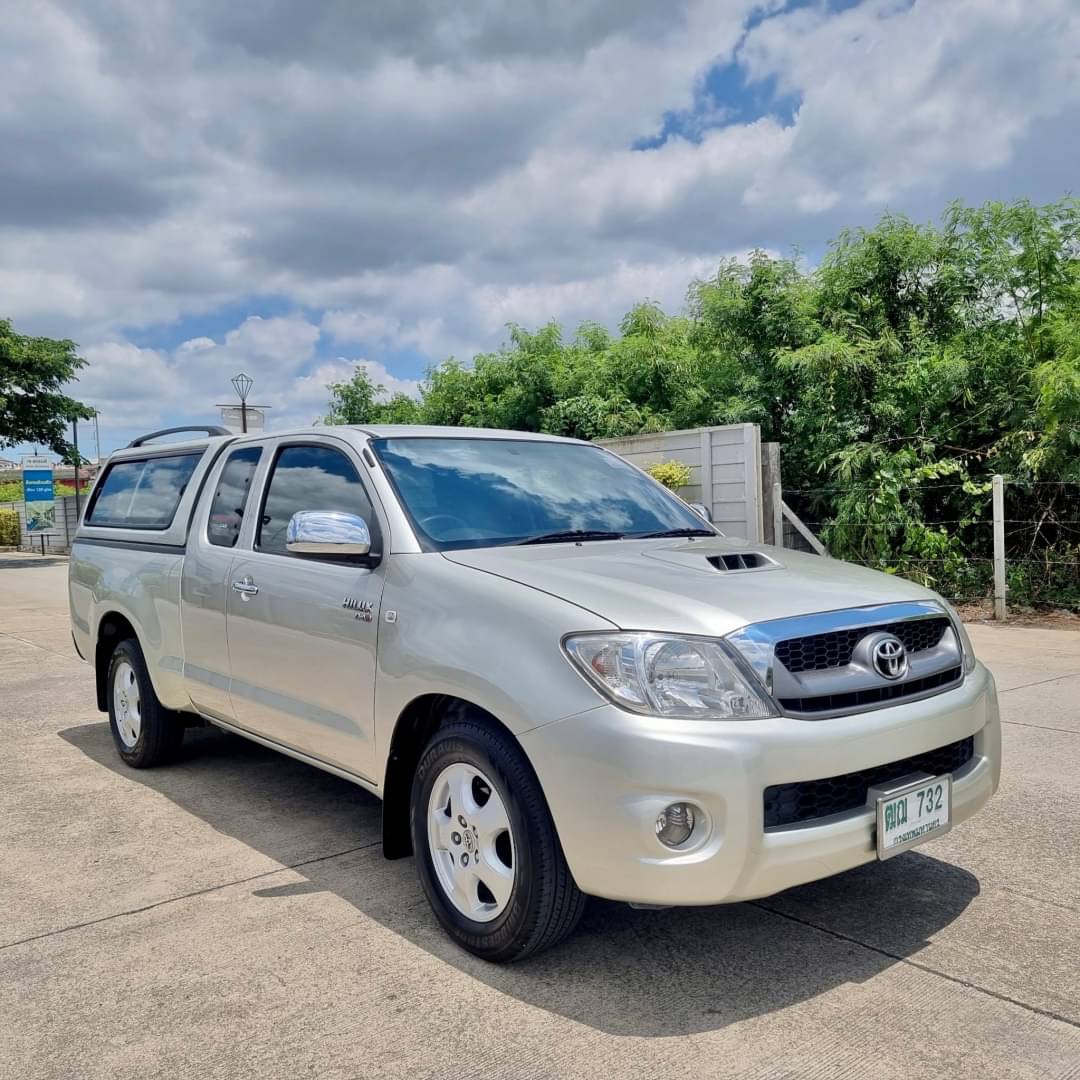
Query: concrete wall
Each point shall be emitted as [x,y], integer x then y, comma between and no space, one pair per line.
[725,470]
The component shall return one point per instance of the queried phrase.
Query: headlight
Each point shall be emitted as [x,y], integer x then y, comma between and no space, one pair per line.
[962,635]
[666,675]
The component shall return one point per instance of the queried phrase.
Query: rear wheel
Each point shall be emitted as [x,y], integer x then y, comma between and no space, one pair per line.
[145,732]
[487,853]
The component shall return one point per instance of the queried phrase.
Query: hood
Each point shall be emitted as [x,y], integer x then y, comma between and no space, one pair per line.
[677,587]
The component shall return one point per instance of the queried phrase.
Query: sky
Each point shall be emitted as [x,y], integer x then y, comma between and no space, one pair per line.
[190,188]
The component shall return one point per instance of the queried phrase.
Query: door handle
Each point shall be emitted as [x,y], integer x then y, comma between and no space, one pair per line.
[246,588]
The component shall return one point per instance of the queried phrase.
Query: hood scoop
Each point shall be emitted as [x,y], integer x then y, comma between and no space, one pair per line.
[742,560]
[708,557]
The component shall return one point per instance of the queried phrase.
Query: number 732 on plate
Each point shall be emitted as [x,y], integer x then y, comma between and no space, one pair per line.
[910,812]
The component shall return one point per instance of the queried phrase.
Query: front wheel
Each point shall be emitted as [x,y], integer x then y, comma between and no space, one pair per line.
[487,853]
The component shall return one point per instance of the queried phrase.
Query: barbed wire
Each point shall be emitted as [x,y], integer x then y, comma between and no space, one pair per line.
[901,560]
[839,523]
[845,489]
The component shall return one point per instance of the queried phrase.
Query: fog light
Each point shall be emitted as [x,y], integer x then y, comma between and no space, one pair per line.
[675,824]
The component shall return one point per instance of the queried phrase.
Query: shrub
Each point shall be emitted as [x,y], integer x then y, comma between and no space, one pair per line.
[672,474]
[9,528]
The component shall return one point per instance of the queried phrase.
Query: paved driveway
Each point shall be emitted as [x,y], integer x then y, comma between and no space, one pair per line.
[232,916]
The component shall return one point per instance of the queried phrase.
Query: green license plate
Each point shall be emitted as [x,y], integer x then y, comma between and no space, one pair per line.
[910,812]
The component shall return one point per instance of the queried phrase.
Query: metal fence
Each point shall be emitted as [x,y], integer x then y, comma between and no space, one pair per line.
[1004,553]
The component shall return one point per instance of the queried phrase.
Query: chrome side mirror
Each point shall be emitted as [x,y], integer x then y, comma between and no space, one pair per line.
[327,532]
[700,510]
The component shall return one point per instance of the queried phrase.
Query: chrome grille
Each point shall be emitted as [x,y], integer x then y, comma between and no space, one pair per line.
[818,652]
[821,665]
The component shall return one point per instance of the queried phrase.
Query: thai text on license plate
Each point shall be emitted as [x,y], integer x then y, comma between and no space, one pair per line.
[911,813]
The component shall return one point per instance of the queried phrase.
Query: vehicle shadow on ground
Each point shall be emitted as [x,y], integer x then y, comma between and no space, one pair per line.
[10,562]
[624,972]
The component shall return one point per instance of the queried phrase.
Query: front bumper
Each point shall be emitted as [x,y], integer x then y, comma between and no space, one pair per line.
[607,774]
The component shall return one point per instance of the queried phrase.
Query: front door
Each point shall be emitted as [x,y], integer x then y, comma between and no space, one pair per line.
[302,629]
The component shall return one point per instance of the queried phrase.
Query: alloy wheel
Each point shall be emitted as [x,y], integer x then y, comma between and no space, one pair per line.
[471,842]
[126,704]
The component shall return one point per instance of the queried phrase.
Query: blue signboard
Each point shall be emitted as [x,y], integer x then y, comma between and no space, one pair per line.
[38,494]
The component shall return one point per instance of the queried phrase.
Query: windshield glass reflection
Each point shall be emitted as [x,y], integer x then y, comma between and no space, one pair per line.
[466,492]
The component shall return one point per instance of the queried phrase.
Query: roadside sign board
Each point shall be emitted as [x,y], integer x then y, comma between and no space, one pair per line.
[38,494]
[231,418]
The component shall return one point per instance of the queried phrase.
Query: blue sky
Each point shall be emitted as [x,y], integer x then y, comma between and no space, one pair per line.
[191,189]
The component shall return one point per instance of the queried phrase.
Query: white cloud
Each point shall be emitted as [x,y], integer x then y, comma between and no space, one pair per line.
[137,389]
[413,176]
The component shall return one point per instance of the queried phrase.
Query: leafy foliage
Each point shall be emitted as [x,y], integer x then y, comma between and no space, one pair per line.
[33,371]
[9,528]
[672,474]
[899,375]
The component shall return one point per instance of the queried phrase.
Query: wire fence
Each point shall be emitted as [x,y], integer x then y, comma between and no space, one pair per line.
[1020,545]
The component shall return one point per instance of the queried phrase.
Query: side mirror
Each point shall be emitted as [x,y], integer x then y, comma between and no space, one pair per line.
[700,510]
[327,532]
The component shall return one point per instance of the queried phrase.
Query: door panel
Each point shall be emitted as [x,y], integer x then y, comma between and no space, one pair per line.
[303,665]
[205,585]
[302,630]
[203,602]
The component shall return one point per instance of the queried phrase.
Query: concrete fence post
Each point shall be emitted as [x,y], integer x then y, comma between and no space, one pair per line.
[772,515]
[1000,611]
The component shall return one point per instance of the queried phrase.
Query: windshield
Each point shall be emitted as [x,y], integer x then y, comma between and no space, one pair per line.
[467,492]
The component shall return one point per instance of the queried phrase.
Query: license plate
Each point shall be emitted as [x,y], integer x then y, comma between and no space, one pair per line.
[910,812]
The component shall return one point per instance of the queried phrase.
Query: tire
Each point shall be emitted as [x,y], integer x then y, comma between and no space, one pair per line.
[145,732]
[495,919]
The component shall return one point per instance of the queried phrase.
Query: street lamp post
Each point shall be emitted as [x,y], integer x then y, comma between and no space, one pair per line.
[75,445]
[242,384]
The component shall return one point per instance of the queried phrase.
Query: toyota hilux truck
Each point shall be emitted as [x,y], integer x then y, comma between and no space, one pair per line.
[560,679]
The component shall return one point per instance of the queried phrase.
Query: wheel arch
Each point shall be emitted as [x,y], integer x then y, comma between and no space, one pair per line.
[113,627]
[415,725]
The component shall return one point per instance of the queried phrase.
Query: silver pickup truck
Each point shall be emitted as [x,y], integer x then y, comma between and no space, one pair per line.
[560,679]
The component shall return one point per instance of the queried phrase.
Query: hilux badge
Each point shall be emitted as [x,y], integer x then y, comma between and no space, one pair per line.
[363,608]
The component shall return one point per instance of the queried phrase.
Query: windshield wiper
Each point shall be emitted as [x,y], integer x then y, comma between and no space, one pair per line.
[571,534]
[674,532]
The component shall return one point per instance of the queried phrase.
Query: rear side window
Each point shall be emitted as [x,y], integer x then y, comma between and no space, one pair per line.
[310,478]
[231,496]
[142,494]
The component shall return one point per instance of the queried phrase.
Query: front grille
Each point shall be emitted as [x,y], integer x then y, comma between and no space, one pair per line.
[819,652]
[872,695]
[807,800]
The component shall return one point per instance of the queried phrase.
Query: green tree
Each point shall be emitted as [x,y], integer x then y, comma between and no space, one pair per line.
[33,374]
[898,375]
[354,400]
[744,320]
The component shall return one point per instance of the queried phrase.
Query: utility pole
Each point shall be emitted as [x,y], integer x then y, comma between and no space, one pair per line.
[75,442]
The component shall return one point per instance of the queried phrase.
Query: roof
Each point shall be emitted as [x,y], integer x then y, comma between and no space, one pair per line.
[428,431]
[375,431]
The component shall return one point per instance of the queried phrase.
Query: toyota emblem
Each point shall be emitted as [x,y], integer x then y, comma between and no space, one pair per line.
[890,657]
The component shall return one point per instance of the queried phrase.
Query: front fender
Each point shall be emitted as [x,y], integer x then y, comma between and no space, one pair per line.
[451,629]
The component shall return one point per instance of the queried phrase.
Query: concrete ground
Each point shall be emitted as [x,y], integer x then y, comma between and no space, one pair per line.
[232,916]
